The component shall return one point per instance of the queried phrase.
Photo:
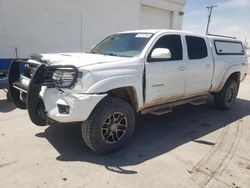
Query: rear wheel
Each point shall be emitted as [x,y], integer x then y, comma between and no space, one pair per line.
[226,97]
[109,126]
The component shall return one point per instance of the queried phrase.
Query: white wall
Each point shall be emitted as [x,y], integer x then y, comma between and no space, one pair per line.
[248,49]
[248,55]
[45,26]
[175,6]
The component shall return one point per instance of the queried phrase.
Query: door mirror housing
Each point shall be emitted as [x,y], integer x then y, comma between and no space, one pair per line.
[161,53]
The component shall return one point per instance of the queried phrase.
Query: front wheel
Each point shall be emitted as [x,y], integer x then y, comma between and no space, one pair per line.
[8,96]
[109,126]
[226,97]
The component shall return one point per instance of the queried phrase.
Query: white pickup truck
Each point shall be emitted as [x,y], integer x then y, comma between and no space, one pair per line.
[148,71]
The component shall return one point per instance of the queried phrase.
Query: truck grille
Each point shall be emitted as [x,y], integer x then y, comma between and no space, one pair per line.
[26,70]
[29,70]
[47,77]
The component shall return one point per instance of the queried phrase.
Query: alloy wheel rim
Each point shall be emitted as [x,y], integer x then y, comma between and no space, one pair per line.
[230,96]
[114,128]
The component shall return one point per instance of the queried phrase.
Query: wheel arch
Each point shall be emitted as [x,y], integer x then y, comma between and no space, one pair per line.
[232,73]
[127,87]
[235,76]
[126,93]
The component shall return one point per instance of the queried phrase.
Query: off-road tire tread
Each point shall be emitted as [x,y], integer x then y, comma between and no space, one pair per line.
[88,133]
[8,96]
[219,98]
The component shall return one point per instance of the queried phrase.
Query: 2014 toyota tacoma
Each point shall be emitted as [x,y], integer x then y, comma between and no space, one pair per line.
[148,71]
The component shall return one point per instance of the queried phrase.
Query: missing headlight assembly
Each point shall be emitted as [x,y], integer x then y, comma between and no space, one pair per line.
[60,76]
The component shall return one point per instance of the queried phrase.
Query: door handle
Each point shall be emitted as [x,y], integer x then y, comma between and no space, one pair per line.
[182,68]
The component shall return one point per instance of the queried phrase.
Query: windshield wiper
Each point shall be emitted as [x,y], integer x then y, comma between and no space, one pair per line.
[92,52]
[117,55]
[111,54]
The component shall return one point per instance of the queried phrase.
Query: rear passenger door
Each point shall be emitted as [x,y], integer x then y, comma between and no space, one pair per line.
[199,66]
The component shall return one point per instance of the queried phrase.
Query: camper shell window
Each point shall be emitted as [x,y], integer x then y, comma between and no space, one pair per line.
[229,47]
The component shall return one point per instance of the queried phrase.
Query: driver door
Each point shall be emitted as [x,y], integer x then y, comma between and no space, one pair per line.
[165,78]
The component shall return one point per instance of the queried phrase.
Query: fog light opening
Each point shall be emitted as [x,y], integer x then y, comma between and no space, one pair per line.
[63,109]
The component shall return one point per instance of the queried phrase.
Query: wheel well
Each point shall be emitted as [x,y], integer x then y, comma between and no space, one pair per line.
[235,76]
[126,93]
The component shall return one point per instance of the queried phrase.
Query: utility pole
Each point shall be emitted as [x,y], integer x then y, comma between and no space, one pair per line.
[81,34]
[246,44]
[210,9]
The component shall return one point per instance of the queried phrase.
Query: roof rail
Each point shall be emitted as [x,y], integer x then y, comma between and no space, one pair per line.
[222,36]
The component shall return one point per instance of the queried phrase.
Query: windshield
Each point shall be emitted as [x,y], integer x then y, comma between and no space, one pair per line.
[124,45]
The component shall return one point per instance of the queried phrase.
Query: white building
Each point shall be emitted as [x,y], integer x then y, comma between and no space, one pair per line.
[46,26]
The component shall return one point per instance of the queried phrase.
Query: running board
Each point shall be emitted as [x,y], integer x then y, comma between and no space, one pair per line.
[168,107]
[198,102]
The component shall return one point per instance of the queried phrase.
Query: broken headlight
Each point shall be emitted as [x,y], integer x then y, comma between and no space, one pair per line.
[63,77]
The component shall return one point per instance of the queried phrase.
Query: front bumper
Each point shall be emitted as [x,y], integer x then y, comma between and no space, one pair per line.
[80,105]
[43,100]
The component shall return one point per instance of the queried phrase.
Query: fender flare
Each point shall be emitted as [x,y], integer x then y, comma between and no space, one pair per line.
[227,74]
[116,82]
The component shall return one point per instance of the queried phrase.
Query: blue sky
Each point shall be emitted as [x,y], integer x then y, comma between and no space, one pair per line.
[231,17]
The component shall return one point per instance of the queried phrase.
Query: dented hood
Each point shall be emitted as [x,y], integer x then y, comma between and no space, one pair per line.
[80,59]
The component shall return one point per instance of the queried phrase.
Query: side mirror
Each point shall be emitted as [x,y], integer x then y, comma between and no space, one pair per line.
[161,53]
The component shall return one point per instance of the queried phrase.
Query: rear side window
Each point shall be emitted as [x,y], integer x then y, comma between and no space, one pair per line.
[173,43]
[197,48]
[229,48]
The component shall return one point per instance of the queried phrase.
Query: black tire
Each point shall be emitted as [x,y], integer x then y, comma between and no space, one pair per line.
[8,96]
[37,115]
[226,97]
[102,132]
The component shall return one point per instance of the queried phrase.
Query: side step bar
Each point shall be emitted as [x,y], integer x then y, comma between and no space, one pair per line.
[167,107]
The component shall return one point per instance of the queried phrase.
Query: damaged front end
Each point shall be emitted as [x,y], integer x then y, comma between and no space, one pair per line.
[27,78]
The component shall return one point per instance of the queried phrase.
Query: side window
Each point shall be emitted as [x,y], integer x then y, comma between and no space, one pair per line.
[197,48]
[229,48]
[173,43]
